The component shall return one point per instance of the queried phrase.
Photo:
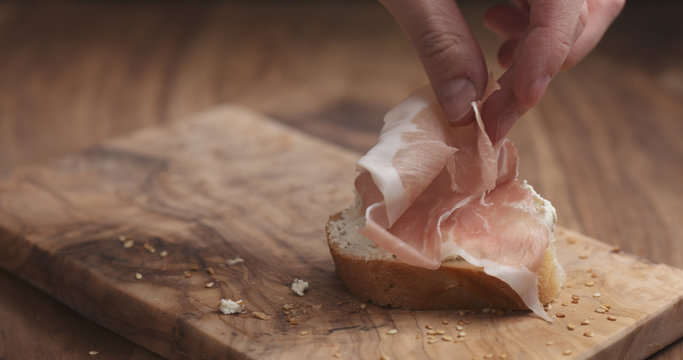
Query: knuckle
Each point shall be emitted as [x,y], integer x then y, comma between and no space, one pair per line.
[437,48]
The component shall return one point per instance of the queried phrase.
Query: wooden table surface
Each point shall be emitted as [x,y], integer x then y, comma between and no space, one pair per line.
[604,145]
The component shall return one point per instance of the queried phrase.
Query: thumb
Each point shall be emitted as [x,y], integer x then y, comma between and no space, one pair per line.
[451,56]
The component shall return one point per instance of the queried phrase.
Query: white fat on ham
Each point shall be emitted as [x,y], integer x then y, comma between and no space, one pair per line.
[432,191]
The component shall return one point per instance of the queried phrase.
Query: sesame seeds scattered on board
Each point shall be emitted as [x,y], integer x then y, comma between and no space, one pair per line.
[488,356]
[392,331]
[446,338]
[600,310]
[596,295]
[585,322]
[430,332]
[559,315]
[462,334]
[138,276]
[583,256]
[432,341]
[588,334]
[590,283]
[570,327]
[303,333]
[611,318]
[567,352]
[445,322]
[440,332]
[459,327]
[549,343]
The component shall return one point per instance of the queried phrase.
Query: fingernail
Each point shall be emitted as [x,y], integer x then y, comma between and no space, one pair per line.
[456,98]
[505,122]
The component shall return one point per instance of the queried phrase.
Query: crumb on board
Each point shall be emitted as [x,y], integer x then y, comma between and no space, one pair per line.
[260,315]
[234,261]
[299,287]
[228,306]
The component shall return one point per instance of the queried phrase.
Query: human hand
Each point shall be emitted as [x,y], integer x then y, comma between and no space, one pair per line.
[541,38]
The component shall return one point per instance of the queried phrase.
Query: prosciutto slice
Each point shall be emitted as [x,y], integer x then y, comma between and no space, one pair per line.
[432,191]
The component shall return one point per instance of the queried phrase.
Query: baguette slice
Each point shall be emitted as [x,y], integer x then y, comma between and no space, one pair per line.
[373,274]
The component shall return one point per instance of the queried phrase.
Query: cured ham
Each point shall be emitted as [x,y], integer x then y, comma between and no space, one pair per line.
[432,191]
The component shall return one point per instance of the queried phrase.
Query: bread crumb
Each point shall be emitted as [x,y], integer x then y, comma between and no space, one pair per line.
[231,307]
[299,286]
[234,261]
[260,315]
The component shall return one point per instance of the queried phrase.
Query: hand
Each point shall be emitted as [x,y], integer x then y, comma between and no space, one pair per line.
[541,38]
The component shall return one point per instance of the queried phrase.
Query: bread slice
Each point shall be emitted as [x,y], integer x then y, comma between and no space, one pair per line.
[373,274]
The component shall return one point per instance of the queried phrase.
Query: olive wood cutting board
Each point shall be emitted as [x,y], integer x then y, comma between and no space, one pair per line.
[136,234]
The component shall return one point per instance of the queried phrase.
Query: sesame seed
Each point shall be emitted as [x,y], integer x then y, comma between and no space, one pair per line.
[459,327]
[488,356]
[188,274]
[575,297]
[606,306]
[287,306]
[559,315]
[303,333]
[462,312]
[431,332]
[467,322]
[384,357]
[194,268]
[149,247]
[363,306]
[123,238]
[210,270]
[583,256]
[575,301]
[163,254]
[392,332]
[432,341]
[611,318]
[564,303]
[445,322]
[571,327]
[594,275]
[600,310]
[440,332]
[500,313]
[590,283]
[93,352]
[596,295]
[128,244]
[588,334]
[460,322]
[567,352]
[428,327]
[138,276]
[210,284]
[585,322]
[549,343]
[502,356]
[462,334]
[571,240]
[446,338]
[616,249]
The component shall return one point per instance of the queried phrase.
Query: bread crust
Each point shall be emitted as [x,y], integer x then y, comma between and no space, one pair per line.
[455,285]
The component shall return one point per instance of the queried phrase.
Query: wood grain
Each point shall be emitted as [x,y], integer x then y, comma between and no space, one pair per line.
[230,183]
[74,73]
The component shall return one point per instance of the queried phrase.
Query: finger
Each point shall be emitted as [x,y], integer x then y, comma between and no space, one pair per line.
[535,59]
[506,20]
[451,56]
[506,51]
[542,51]
[601,14]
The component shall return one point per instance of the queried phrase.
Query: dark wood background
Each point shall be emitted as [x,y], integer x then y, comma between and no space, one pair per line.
[605,144]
